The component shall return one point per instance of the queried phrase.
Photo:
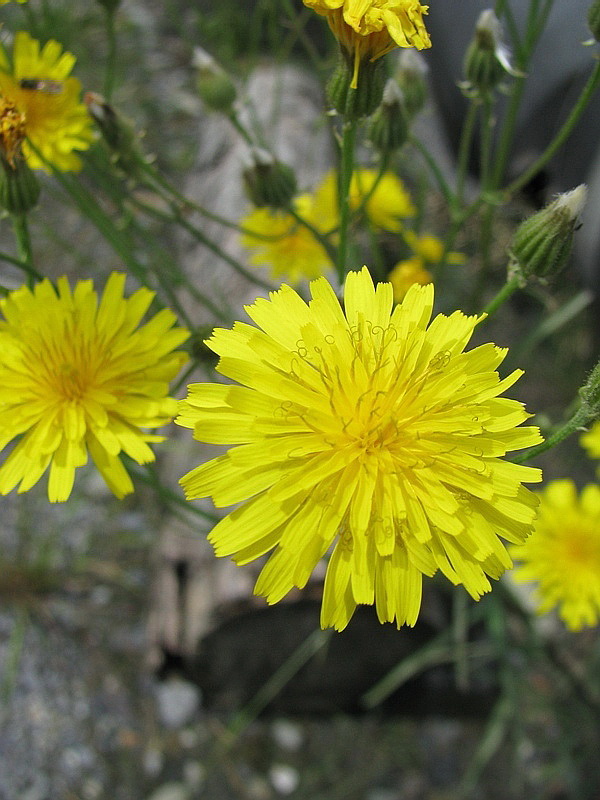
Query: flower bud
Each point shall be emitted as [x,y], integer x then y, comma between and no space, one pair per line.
[388,129]
[19,188]
[354,98]
[590,394]
[268,181]
[110,5]
[542,243]
[411,79]
[486,59]
[215,87]
[118,133]
[593,20]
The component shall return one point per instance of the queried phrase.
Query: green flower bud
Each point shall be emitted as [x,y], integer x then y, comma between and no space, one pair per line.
[542,243]
[215,87]
[355,103]
[593,20]
[388,129]
[19,188]
[268,181]
[110,5]
[486,59]
[411,79]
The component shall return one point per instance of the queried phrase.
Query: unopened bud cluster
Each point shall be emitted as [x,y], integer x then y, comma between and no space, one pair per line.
[542,243]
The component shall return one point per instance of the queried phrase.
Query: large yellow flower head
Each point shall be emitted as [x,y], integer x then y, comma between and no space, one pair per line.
[562,556]
[367,434]
[368,29]
[77,376]
[286,246]
[37,83]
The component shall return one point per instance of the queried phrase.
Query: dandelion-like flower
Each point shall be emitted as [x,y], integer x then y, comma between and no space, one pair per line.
[562,555]
[38,84]
[367,435]
[368,29]
[277,240]
[78,376]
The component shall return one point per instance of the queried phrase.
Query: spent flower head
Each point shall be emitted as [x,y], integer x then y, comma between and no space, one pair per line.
[79,377]
[368,435]
[562,555]
[37,83]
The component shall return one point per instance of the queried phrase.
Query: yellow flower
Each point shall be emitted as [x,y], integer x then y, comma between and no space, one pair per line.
[368,29]
[365,434]
[385,207]
[39,86]
[405,274]
[562,555]
[283,244]
[428,251]
[78,376]
[591,441]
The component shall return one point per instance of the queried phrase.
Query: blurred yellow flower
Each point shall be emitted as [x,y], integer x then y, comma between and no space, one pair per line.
[385,207]
[407,272]
[284,245]
[562,555]
[428,250]
[591,441]
[368,434]
[78,376]
[38,85]
[368,29]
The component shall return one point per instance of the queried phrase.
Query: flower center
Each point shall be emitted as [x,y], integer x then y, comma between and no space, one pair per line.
[12,130]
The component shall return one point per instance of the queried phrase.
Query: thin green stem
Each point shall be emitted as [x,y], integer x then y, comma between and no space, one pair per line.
[176,216]
[149,476]
[577,422]
[32,273]
[111,56]
[322,238]
[273,686]
[23,241]
[442,183]
[464,150]
[563,134]
[346,168]
[511,285]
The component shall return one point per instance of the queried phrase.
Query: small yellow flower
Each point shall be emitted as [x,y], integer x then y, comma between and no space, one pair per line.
[387,205]
[38,85]
[405,274]
[77,377]
[368,29]
[366,434]
[283,244]
[591,441]
[430,249]
[562,555]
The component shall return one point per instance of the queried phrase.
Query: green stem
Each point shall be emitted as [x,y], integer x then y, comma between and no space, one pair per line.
[579,419]
[32,273]
[442,183]
[511,285]
[320,237]
[111,57]
[464,149]
[346,168]
[177,217]
[563,134]
[280,678]
[23,241]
